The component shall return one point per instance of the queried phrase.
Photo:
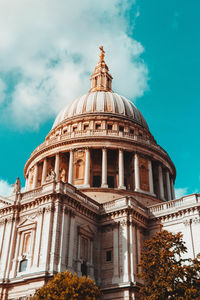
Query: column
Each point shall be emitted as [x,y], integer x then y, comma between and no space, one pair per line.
[151,189]
[70,171]
[160,178]
[104,168]
[71,243]
[169,195]
[125,253]
[35,177]
[121,170]
[64,240]
[115,278]
[172,189]
[137,172]
[57,166]
[44,171]
[87,168]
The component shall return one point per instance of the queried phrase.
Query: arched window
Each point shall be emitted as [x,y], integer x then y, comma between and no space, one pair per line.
[79,169]
[23,265]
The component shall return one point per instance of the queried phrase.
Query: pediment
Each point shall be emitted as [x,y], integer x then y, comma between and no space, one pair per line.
[28,221]
[86,230]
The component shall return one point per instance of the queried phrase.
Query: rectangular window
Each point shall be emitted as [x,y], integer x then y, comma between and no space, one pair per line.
[110,126]
[121,128]
[131,131]
[109,255]
[98,126]
[86,127]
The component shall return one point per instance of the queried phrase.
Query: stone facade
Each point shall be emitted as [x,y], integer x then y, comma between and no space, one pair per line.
[96,188]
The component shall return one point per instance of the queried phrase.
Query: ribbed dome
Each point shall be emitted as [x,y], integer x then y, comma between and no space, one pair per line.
[101,102]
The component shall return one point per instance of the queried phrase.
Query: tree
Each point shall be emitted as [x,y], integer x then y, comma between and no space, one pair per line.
[68,286]
[166,274]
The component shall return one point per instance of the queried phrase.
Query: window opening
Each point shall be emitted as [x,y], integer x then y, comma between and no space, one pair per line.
[96,181]
[121,128]
[110,180]
[84,268]
[23,265]
[109,255]
[98,126]
[110,126]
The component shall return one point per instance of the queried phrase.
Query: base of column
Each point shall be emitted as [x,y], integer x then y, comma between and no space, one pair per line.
[145,192]
[105,186]
[82,186]
[122,187]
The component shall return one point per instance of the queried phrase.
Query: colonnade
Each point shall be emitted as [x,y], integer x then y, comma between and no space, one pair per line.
[168,195]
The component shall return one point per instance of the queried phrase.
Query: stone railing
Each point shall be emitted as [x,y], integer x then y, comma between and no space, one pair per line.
[58,187]
[97,132]
[125,202]
[173,205]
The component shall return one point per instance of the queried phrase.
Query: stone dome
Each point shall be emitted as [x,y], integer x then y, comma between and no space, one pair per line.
[101,102]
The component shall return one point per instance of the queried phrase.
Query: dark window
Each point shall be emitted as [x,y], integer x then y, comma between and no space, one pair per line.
[109,126]
[84,268]
[110,181]
[121,128]
[98,126]
[96,181]
[109,255]
[131,131]
[23,265]
[74,128]
[86,127]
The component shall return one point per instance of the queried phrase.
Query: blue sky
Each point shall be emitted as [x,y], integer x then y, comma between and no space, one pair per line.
[48,49]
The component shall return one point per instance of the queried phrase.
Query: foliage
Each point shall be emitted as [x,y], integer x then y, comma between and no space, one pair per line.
[166,274]
[68,286]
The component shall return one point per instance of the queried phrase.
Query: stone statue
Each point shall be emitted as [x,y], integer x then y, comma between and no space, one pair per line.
[51,176]
[17,186]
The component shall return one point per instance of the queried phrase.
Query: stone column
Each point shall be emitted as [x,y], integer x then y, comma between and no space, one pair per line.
[137,172]
[87,168]
[104,183]
[160,178]
[71,243]
[151,189]
[70,171]
[115,278]
[172,189]
[121,170]
[44,171]
[169,195]
[57,166]
[125,253]
[35,177]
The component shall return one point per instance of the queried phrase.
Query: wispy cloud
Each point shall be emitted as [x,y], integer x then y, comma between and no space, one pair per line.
[5,188]
[48,49]
[180,192]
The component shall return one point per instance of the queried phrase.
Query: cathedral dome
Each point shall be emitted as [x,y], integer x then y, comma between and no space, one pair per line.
[101,102]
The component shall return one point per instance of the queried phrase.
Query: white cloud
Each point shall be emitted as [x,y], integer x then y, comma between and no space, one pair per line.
[2,91]
[49,49]
[5,188]
[180,192]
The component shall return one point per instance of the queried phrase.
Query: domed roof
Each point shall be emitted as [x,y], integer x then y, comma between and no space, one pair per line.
[101,102]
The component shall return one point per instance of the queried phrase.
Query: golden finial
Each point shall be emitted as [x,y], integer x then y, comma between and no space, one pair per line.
[102,54]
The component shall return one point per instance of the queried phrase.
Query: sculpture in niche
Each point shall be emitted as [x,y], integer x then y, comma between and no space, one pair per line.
[63,174]
[51,175]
